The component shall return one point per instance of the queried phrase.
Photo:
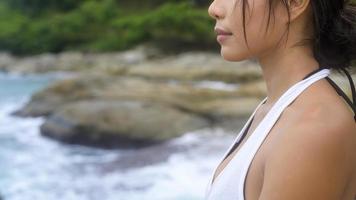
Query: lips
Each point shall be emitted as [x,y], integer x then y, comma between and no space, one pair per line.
[220,31]
[222,34]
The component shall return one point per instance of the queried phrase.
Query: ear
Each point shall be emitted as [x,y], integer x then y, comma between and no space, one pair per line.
[298,7]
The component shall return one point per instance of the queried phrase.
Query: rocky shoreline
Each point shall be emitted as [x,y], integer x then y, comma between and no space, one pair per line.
[139,97]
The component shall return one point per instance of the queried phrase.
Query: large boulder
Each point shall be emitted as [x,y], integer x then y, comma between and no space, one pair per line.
[61,92]
[186,96]
[121,124]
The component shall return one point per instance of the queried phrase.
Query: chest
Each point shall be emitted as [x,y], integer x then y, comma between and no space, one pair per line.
[255,173]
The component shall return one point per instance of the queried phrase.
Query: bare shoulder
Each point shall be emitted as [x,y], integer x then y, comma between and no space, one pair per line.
[326,123]
[320,124]
[314,159]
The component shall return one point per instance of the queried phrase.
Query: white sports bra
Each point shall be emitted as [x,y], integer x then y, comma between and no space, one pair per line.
[229,184]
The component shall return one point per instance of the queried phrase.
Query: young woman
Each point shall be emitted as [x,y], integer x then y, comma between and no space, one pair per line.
[300,142]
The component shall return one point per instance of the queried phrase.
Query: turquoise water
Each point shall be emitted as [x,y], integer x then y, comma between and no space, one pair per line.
[34,167]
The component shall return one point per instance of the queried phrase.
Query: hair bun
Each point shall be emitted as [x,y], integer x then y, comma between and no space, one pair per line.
[336,45]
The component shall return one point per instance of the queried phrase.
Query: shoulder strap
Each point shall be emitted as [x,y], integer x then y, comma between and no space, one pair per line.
[339,90]
[313,72]
[352,85]
[341,93]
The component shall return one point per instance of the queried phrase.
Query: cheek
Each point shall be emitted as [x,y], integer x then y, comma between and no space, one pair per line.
[258,39]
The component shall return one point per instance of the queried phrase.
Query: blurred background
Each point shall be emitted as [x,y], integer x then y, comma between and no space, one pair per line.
[117,99]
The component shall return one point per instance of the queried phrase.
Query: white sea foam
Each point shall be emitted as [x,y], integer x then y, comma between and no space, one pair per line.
[35,167]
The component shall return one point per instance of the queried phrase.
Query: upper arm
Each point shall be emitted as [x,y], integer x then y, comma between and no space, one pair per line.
[310,163]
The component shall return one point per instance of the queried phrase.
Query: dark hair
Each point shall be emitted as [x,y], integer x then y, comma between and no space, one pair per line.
[334,41]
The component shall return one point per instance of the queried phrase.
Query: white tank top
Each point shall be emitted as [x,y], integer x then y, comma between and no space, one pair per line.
[229,184]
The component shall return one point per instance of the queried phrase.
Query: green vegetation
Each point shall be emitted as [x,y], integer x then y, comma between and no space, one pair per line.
[34,26]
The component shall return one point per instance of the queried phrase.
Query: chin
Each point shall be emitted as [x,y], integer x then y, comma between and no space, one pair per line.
[233,55]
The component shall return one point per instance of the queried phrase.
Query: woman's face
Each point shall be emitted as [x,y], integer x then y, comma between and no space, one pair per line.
[229,20]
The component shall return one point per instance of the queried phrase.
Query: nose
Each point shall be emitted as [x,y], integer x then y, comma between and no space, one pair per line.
[215,11]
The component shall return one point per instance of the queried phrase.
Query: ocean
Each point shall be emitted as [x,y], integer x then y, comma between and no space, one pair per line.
[33,167]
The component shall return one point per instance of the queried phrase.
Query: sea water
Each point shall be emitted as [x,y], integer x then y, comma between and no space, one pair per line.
[33,167]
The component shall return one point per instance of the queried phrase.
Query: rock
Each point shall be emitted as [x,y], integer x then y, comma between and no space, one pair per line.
[253,89]
[34,64]
[119,124]
[143,61]
[73,61]
[221,109]
[186,96]
[59,93]
[6,60]
[113,62]
[134,57]
[137,98]
[191,67]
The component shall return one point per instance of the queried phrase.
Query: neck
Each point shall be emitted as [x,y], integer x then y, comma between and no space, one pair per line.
[283,68]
